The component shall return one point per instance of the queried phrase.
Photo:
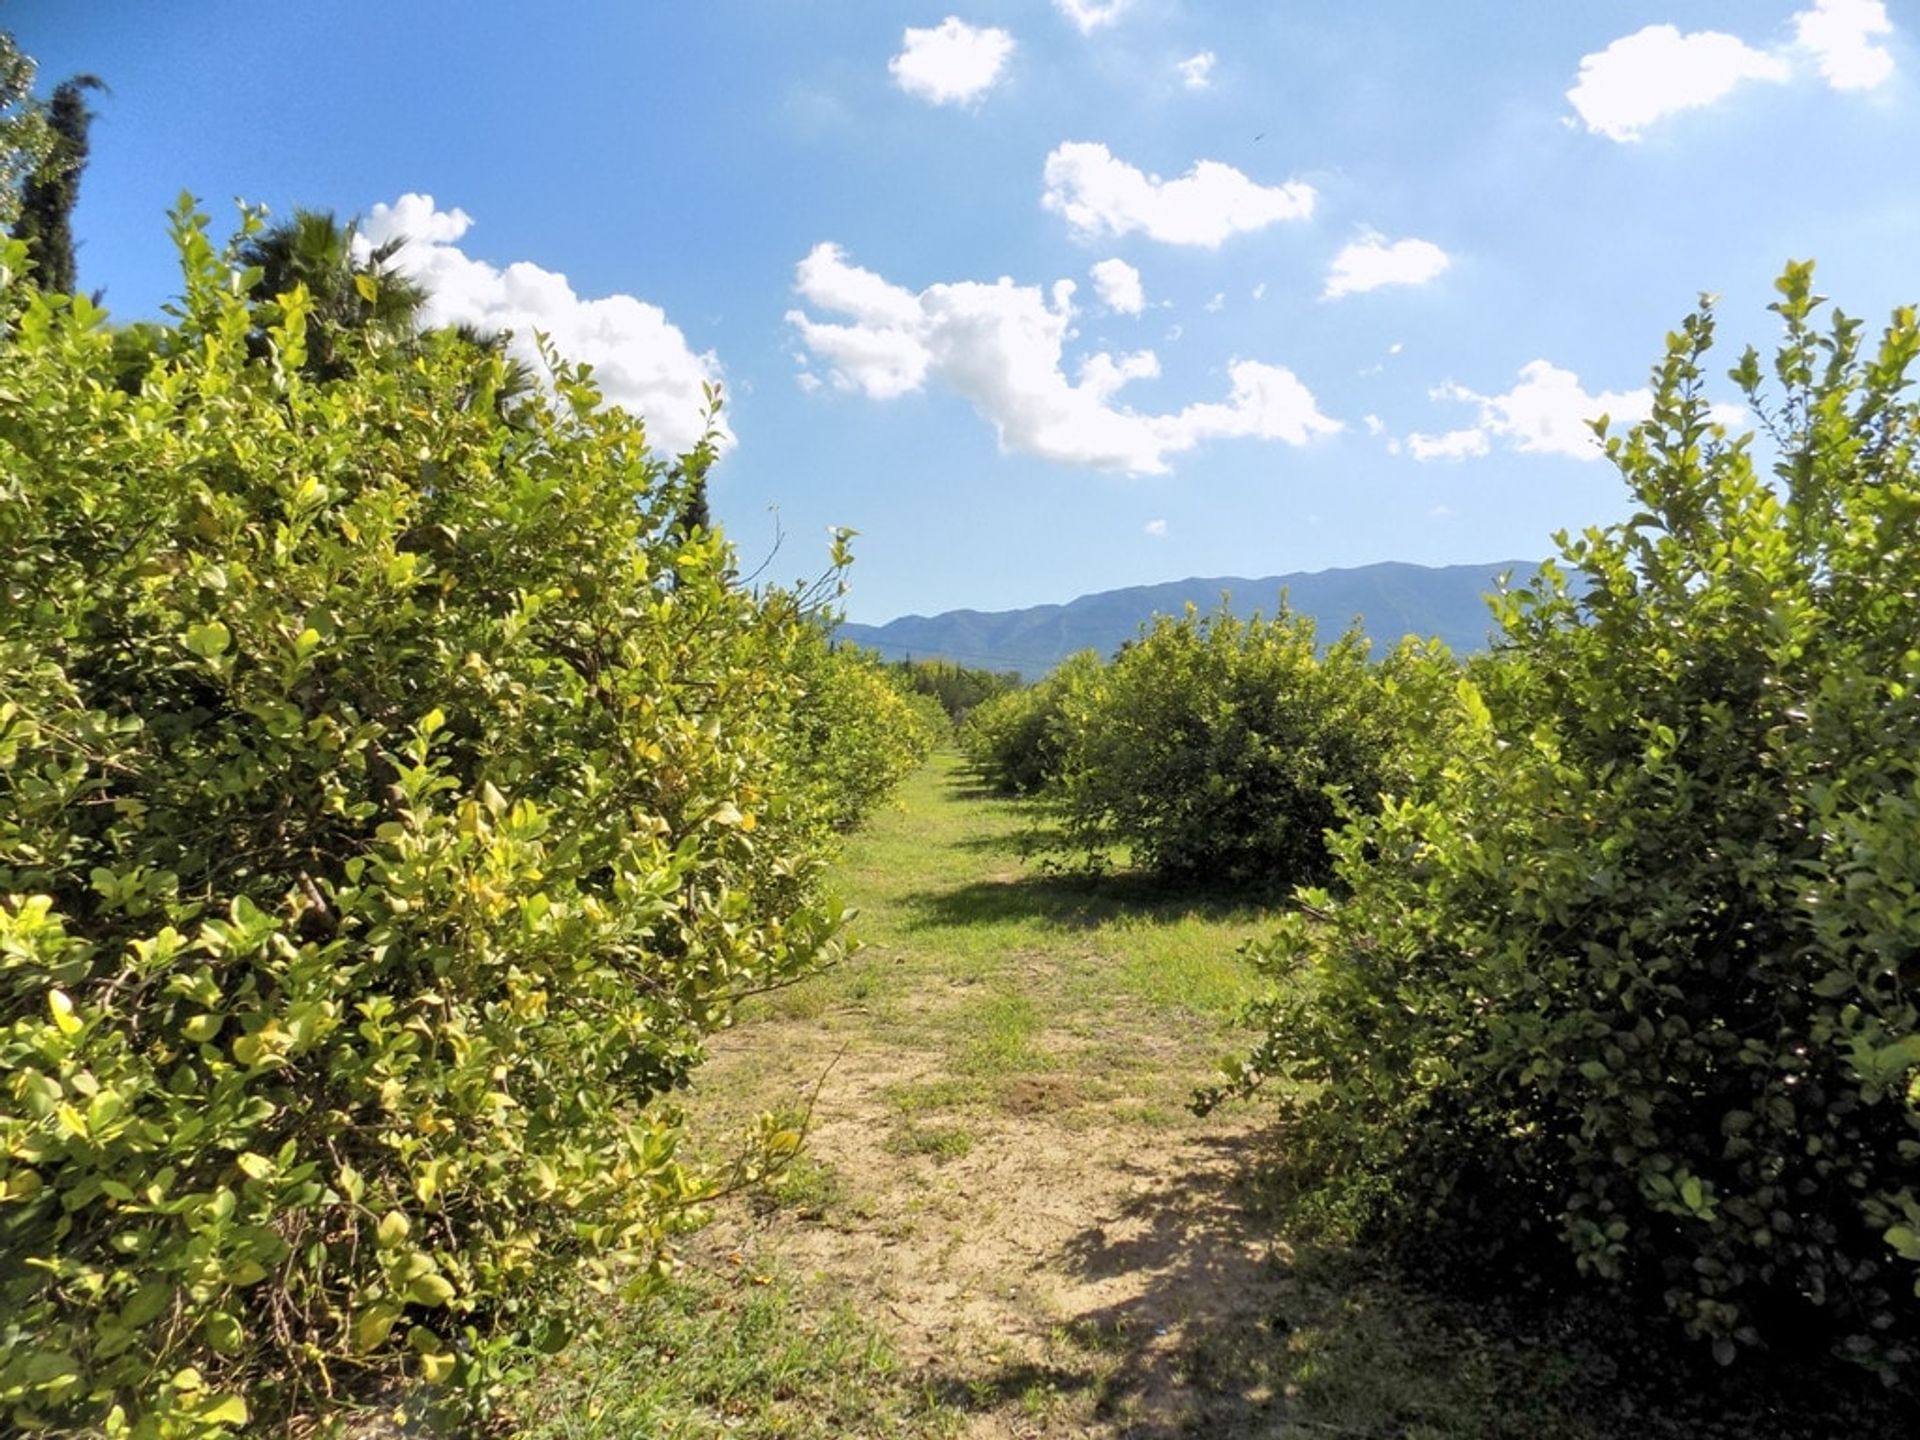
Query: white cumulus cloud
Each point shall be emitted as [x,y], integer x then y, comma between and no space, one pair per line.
[1002,347]
[1196,71]
[1454,445]
[1373,261]
[1657,71]
[1090,15]
[953,63]
[1155,528]
[641,360]
[1118,285]
[1099,194]
[1837,34]
[1547,412]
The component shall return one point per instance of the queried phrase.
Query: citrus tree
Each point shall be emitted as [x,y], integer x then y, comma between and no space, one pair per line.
[392,796]
[1221,750]
[1628,975]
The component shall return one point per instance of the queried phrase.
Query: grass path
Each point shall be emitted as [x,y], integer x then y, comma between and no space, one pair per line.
[1007,1224]
[1001,1173]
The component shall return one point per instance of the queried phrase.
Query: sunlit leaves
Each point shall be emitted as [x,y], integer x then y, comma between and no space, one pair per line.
[391,800]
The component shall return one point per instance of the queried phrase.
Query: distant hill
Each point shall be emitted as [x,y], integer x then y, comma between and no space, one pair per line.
[1392,600]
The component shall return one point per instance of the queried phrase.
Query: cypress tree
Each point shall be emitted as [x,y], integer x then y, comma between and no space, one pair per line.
[53,189]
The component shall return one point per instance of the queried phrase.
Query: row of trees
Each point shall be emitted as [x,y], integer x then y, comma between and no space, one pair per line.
[1608,947]
[1212,750]
[395,788]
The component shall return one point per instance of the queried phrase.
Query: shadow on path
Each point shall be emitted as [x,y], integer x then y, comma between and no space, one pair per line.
[1069,900]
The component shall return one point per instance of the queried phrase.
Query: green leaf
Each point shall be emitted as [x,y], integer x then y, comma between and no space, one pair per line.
[437,1369]
[222,1410]
[224,1333]
[208,640]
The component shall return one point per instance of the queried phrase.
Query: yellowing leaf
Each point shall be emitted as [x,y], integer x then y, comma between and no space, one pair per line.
[393,1229]
[226,1410]
[201,1028]
[62,1009]
[436,1369]
[373,1324]
[430,1290]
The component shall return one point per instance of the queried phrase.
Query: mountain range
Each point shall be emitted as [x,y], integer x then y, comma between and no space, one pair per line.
[1391,599]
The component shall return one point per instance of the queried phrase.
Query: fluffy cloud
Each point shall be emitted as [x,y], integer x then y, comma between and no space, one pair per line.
[641,359]
[1836,33]
[1657,72]
[1196,71]
[1454,445]
[1545,413]
[1090,15]
[1002,346]
[951,64]
[1373,261]
[1155,528]
[1101,195]
[1118,285]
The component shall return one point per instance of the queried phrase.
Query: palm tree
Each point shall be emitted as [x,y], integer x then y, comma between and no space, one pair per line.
[348,295]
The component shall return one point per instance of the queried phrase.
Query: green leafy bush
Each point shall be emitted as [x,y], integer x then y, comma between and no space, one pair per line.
[1632,975]
[855,734]
[391,798]
[1017,741]
[1220,749]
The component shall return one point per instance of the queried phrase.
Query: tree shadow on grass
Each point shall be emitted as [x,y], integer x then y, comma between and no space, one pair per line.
[1219,1329]
[1187,1274]
[1072,900]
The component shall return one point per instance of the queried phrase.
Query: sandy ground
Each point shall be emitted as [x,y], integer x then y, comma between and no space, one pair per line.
[1059,1278]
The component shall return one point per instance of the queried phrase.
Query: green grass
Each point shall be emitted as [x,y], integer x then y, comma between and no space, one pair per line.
[1003,969]
[741,1354]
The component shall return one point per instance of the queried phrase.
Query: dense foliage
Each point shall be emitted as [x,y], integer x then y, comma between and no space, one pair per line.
[1017,741]
[392,795]
[1221,750]
[1631,974]
[958,688]
[855,733]
[25,136]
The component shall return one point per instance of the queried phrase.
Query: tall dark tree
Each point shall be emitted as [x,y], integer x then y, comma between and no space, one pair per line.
[53,188]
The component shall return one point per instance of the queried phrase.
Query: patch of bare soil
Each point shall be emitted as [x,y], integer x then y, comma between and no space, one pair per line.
[1052,1273]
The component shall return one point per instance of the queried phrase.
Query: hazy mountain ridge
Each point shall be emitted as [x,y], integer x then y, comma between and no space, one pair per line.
[1392,599]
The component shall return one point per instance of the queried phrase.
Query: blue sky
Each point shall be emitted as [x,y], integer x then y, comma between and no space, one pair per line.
[1343,278]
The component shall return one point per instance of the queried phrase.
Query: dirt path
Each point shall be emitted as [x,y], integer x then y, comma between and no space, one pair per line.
[1001,1174]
